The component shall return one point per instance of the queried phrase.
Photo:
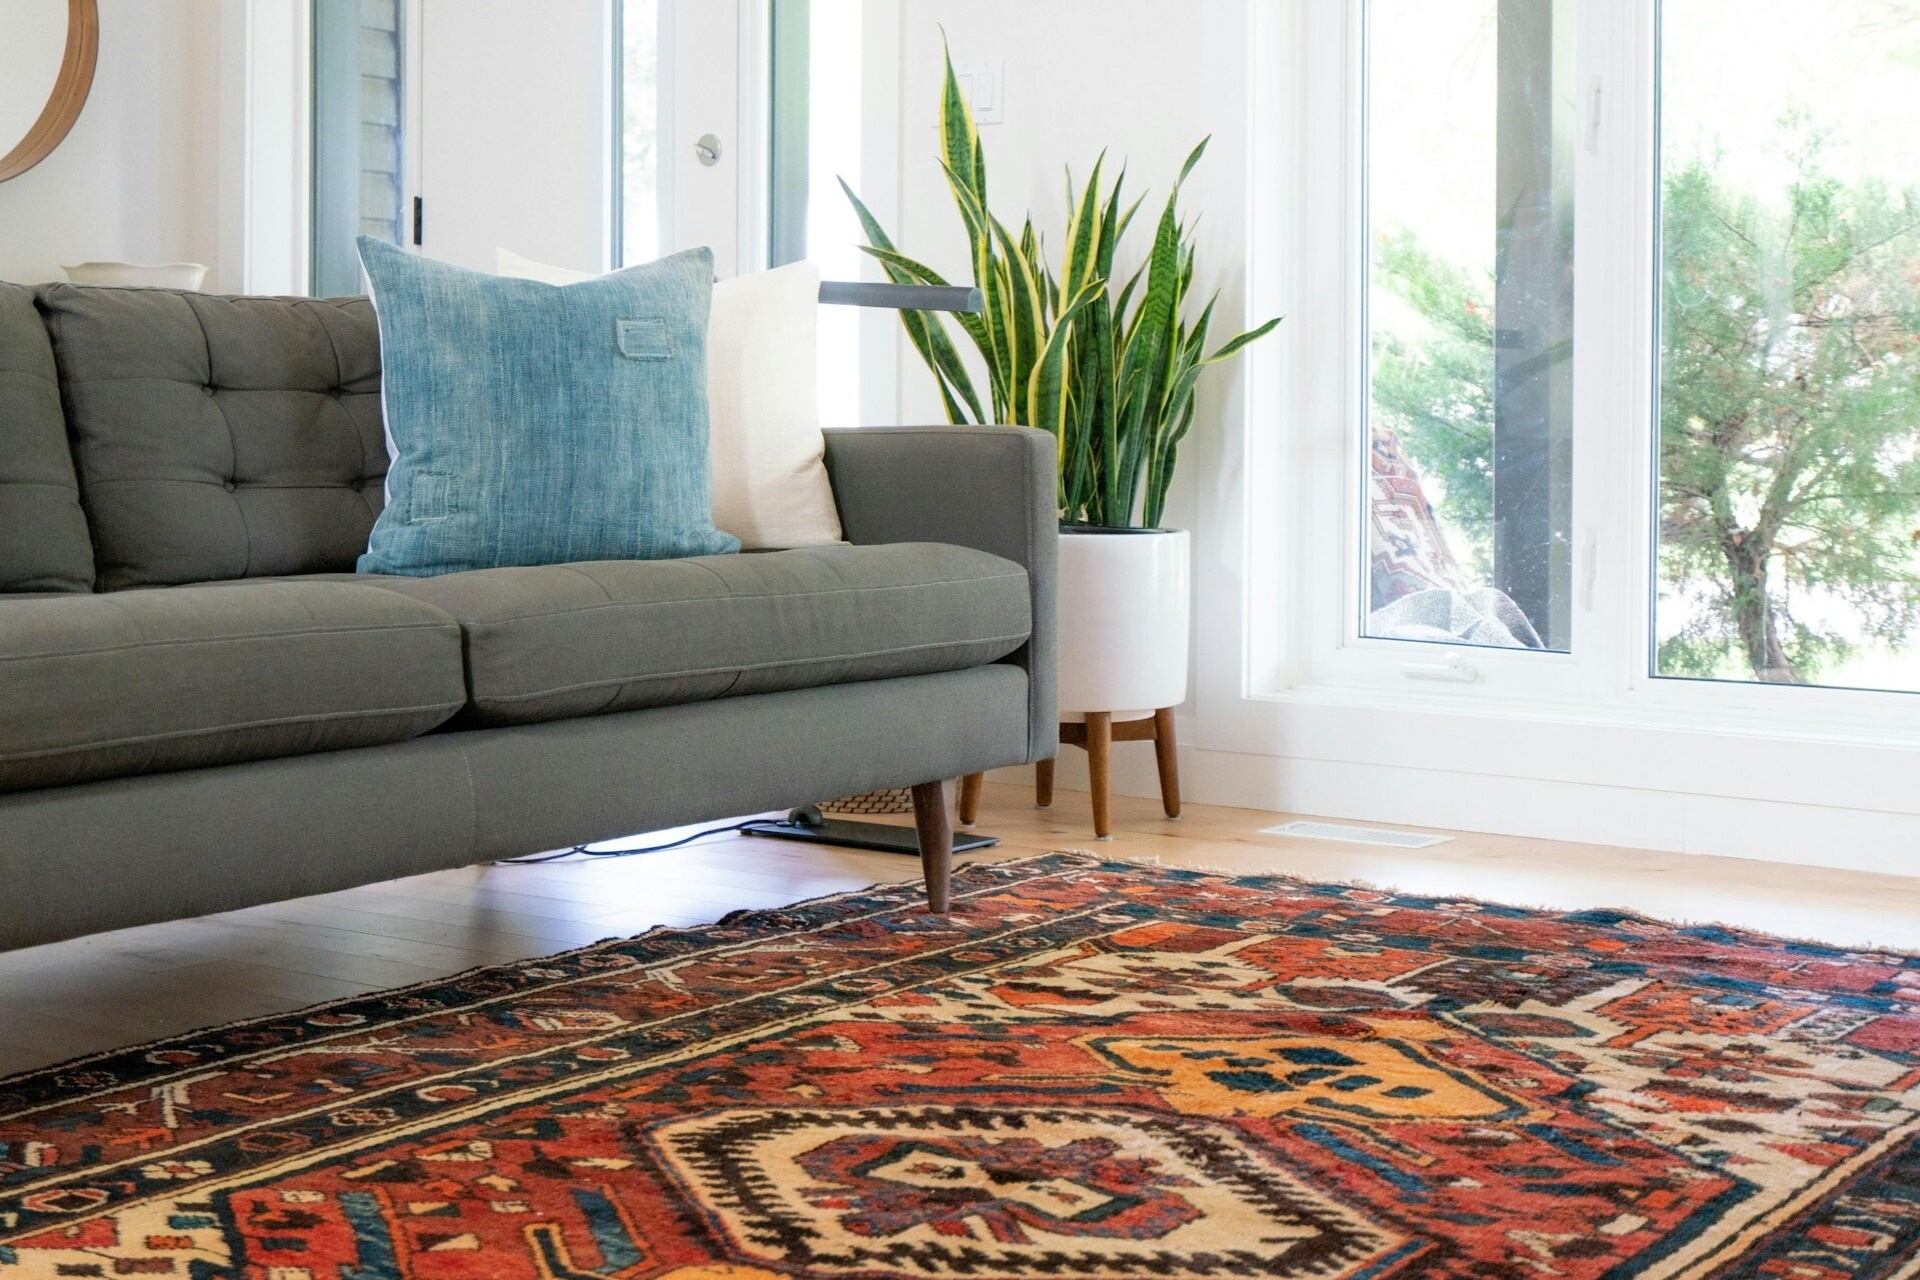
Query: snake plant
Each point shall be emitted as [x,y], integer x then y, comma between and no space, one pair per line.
[1111,376]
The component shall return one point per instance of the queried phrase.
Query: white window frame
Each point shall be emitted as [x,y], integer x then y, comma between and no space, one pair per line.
[1281,669]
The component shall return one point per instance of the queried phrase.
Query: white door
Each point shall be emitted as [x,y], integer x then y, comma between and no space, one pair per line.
[529,112]
[713,105]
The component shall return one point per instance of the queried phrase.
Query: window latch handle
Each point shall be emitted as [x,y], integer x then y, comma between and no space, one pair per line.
[1452,671]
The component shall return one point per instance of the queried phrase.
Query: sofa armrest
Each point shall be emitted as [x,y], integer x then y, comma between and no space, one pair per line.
[989,488]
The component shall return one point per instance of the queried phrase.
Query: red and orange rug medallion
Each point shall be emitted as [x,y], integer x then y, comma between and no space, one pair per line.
[1093,1069]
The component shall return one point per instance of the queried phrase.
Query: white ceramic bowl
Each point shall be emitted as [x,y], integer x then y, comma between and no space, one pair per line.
[163,275]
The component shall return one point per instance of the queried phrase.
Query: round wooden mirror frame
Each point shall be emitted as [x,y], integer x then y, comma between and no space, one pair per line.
[69,92]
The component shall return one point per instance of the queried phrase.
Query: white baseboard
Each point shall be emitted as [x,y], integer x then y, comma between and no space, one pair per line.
[1797,834]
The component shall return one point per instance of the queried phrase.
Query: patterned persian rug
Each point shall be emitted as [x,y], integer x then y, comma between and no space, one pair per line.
[1092,1069]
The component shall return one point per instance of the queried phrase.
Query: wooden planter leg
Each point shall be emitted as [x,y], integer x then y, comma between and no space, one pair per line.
[970,798]
[936,842]
[1099,762]
[1043,784]
[1169,762]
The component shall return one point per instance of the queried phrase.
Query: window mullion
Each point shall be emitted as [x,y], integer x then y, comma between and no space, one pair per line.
[1614,369]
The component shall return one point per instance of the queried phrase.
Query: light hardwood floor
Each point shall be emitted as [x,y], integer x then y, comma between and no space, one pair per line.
[80,997]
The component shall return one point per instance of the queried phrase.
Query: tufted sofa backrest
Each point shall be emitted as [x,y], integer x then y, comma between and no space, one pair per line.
[219,437]
[43,535]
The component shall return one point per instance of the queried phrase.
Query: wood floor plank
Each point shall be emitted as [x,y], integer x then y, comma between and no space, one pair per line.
[475,931]
[286,987]
[50,1038]
[562,884]
[433,956]
[562,931]
[16,1061]
[681,898]
[494,897]
[140,1010]
[580,883]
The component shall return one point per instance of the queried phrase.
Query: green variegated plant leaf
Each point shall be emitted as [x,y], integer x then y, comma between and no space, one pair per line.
[1047,384]
[924,329]
[1112,376]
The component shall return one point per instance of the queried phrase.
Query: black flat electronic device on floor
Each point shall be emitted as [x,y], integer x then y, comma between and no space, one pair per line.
[807,825]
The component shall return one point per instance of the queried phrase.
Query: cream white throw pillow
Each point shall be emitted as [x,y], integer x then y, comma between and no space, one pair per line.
[770,486]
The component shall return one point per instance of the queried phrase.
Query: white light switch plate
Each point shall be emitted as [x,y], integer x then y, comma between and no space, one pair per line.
[983,81]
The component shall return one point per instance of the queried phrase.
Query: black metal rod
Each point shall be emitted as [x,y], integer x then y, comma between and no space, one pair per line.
[901,297]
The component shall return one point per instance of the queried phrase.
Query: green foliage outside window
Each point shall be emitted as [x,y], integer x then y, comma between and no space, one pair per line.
[1789,415]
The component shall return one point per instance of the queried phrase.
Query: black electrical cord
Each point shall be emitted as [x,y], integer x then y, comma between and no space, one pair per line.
[589,851]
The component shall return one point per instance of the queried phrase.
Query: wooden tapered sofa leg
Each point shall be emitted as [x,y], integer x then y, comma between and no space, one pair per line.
[936,842]
[1043,784]
[970,798]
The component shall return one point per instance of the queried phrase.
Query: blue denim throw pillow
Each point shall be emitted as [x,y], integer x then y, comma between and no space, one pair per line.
[539,424]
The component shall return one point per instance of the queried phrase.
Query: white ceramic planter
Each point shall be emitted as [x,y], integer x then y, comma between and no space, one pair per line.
[1125,603]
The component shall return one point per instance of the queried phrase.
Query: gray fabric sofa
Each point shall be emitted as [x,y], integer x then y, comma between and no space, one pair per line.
[202,707]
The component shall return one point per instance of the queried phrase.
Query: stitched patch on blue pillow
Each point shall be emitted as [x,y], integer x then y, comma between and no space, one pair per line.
[522,435]
[644,339]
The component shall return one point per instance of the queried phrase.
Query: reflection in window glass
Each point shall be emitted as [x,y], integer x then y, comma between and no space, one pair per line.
[817,134]
[1470,302]
[358,134]
[1789,514]
[639,131]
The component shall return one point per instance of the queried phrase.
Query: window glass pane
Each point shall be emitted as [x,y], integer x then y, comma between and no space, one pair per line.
[834,236]
[1789,511]
[790,160]
[359,178]
[817,134]
[639,131]
[1470,310]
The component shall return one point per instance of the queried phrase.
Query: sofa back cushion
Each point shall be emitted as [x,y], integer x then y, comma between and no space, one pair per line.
[220,437]
[43,535]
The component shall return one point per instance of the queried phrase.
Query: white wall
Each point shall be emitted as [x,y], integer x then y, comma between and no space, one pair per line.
[138,178]
[30,62]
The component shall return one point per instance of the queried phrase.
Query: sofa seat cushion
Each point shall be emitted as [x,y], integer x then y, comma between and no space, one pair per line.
[556,642]
[176,678]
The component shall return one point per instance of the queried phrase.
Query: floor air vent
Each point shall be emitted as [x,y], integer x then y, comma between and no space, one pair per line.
[1355,835]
